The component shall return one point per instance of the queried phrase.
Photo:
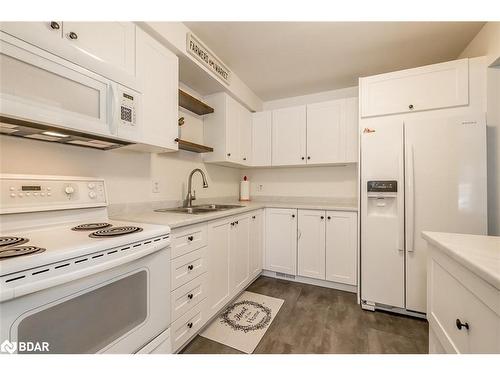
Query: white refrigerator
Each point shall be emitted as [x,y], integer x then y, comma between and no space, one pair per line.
[416,175]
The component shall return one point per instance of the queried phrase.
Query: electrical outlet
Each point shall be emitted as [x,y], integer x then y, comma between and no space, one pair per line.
[156,186]
[260,187]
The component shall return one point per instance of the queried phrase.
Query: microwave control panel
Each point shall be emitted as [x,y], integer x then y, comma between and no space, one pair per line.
[128,108]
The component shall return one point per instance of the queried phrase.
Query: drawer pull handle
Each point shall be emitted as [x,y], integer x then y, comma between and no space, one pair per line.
[190,325]
[190,238]
[322,217]
[190,295]
[460,325]
[190,267]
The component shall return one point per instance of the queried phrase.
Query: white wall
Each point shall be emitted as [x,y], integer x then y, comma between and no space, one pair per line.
[319,182]
[128,174]
[487,43]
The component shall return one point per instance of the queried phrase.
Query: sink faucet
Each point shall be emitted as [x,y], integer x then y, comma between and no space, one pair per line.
[190,197]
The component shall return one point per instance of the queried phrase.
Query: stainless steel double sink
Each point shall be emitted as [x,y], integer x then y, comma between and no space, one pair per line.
[200,209]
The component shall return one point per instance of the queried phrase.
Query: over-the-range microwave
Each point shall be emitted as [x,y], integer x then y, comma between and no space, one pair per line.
[47,98]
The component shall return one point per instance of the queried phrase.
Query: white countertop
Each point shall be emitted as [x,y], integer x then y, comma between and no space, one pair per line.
[175,220]
[480,254]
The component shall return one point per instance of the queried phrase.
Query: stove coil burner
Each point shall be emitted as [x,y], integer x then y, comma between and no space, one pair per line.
[16,251]
[114,231]
[10,241]
[91,226]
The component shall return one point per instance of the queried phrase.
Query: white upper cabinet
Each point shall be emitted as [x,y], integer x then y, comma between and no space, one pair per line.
[341,247]
[228,131]
[245,136]
[159,113]
[106,48]
[281,240]
[429,87]
[332,132]
[311,244]
[289,136]
[261,138]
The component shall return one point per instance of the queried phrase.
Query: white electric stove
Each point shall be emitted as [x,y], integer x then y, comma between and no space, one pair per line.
[74,281]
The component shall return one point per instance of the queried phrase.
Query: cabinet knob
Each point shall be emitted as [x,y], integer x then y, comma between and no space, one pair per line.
[302,158]
[328,217]
[322,217]
[293,215]
[190,295]
[190,267]
[232,224]
[55,25]
[410,106]
[236,222]
[244,158]
[228,154]
[308,158]
[460,325]
[253,217]
[190,325]
[72,35]
[190,238]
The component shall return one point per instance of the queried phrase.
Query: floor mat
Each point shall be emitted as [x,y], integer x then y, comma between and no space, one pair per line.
[244,322]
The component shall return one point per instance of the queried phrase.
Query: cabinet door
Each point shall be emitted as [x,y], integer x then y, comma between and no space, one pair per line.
[256,243]
[157,73]
[429,87]
[41,34]
[324,132]
[350,130]
[281,240]
[245,136]
[233,109]
[219,234]
[239,255]
[261,139]
[289,136]
[341,247]
[103,46]
[311,244]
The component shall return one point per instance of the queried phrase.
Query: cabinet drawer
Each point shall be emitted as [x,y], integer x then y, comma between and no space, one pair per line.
[188,325]
[188,267]
[188,295]
[449,300]
[188,239]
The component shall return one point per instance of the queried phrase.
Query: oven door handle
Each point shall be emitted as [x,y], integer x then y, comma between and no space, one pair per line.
[32,287]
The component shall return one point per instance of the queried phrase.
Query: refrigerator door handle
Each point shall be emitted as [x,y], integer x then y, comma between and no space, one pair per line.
[410,204]
[401,212]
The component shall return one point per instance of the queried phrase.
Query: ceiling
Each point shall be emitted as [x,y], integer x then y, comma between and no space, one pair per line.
[283,59]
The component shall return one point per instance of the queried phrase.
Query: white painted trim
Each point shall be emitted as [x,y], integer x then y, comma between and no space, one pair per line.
[315,282]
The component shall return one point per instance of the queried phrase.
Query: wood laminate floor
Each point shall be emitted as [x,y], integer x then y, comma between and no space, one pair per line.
[322,320]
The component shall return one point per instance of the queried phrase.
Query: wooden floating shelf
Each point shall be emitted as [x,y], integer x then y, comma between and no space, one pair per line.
[194,105]
[193,147]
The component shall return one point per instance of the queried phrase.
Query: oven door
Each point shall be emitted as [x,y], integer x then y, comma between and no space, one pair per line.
[116,311]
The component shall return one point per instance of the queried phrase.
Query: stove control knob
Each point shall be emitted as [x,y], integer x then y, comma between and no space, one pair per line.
[69,190]
[92,194]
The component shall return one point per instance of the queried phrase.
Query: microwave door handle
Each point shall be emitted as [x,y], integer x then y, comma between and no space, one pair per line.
[24,289]
[410,204]
[113,105]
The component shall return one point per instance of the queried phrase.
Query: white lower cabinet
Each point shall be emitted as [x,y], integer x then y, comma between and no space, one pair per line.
[341,247]
[311,244]
[235,257]
[463,310]
[239,254]
[281,240]
[256,243]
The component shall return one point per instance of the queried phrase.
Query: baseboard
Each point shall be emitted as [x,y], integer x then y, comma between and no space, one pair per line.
[310,281]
